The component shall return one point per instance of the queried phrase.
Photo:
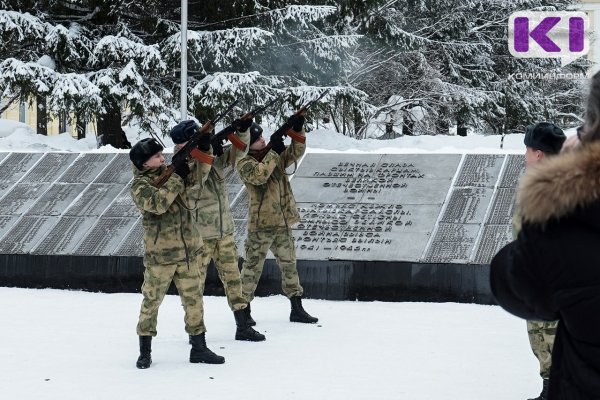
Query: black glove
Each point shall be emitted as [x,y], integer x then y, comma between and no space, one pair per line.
[297,122]
[217,148]
[242,125]
[182,169]
[204,142]
[277,144]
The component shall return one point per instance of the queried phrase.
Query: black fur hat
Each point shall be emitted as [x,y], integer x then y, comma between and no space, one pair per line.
[183,131]
[255,132]
[143,150]
[545,136]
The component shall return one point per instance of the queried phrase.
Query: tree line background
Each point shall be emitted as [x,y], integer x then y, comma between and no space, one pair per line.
[415,66]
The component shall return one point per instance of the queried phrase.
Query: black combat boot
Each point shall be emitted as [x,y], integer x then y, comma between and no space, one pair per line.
[144,360]
[544,394]
[249,320]
[244,331]
[202,354]
[298,314]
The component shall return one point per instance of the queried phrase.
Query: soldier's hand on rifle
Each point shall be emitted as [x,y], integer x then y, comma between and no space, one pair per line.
[183,170]
[217,148]
[277,144]
[204,142]
[242,125]
[297,122]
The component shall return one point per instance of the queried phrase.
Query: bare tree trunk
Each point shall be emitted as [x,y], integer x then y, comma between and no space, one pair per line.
[109,127]
[42,116]
[80,126]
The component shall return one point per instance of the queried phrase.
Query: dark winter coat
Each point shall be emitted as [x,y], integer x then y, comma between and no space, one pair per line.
[552,270]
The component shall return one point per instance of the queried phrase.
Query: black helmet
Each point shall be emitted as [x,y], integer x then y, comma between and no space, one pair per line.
[255,132]
[143,150]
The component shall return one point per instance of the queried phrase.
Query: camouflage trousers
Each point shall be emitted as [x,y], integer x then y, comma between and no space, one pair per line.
[281,242]
[541,337]
[224,253]
[157,279]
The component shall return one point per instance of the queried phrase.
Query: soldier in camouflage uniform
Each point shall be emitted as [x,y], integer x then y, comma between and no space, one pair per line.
[214,221]
[542,140]
[172,249]
[271,215]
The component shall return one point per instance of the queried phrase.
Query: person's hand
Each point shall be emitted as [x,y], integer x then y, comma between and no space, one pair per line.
[277,144]
[217,149]
[242,125]
[204,142]
[183,170]
[297,122]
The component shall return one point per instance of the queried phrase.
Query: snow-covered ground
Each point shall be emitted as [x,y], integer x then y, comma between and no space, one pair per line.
[61,345]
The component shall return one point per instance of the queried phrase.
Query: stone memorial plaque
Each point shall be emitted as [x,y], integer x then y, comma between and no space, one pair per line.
[233,191]
[133,244]
[241,232]
[94,200]
[316,165]
[479,170]
[105,236]
[232,177]
[6,223]
[122,206]
[56,199]
[467,205]
[374,230]
[25,233]
[513,170]
[503,206]
[21,198]
[16,165]
[419,166]
[493,238]
[329,190]
[5,187]
[452,243]
[402,246]
[417,191]
[239,207]
[49,168]
[64,236]
[119,170]
[86,167]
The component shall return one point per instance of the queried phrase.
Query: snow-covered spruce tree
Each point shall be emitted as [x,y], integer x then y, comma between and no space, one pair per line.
[257,51]
[454,65]
[88,58]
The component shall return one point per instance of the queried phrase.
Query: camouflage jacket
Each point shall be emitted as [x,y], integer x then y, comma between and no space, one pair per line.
[213,215]
[169,234]
[272,203]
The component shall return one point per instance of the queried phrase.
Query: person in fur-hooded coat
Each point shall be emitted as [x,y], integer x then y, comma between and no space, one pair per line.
[552,270]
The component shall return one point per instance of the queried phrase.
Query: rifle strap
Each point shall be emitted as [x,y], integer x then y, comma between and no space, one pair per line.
[297,137]
[202,156]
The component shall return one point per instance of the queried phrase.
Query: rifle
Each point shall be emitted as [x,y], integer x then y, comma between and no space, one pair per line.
[228,133]
[191,148]
[286,129]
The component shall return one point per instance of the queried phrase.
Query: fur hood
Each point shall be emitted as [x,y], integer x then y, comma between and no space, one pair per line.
[556,187]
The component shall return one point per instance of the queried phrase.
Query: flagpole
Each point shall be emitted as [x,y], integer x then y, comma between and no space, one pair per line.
[184,21]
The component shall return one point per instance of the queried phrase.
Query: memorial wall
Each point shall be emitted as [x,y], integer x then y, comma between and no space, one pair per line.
[427,208]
